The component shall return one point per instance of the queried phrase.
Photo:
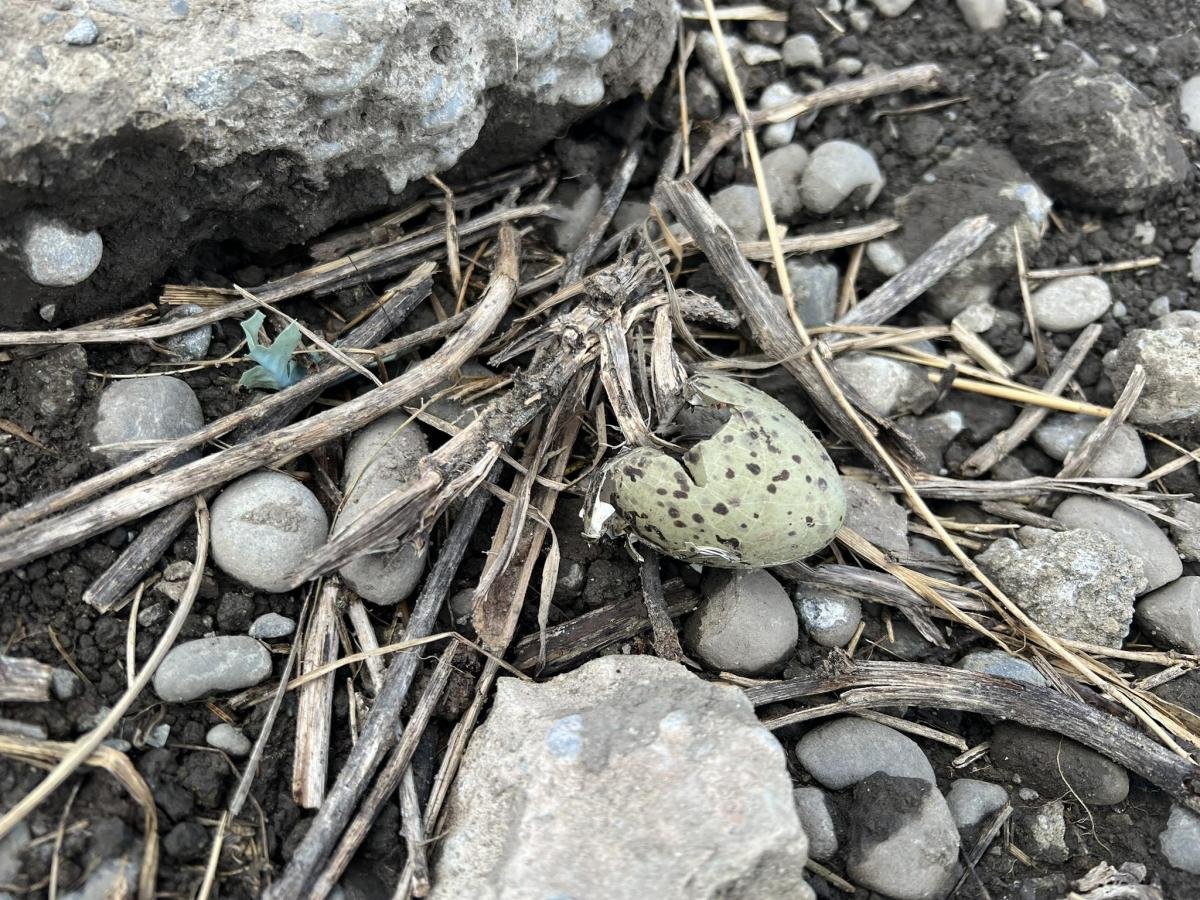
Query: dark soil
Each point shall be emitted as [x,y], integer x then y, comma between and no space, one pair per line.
[42,616]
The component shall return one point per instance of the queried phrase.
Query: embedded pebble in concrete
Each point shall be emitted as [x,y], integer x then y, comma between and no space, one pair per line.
[777,134]
[228,738]
[744,624]
[82,34]
[1189,103]
[802,51]
[1133,530]
[1056,766]
[1187,533]
[814,291]
[146,410]
[903,842]
[380,458]
[889,387]
[1170,616]
[1001,665]
[971,801]
[1068,304]
[876,515]
[845,751]
[812,807]
[886,256]
[983,15]
[271,627]
[190,344]
[266,526]
[57,255]
[196,668]
[840,172]
[830,619]
[782,169]
[738,207]
[1180,840]
[1123,455]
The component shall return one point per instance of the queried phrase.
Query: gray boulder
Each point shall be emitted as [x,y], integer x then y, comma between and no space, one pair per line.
[1056,766]
[1170,401]
[1133,530]
[845,751]
[1171,615]
[380,458]
[628,777]
[1077,584]
[739,208]
[1096,140]
[744,624]
[57,255]
[169,126]
[195,668]
[132,410]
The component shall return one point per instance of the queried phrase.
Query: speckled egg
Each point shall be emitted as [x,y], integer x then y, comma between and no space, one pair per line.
[761,491]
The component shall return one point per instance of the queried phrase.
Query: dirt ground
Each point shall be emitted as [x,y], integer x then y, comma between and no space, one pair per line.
[41,614]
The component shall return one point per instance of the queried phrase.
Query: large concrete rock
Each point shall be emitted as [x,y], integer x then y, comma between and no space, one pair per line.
[629,777]
[1170,401]
[268,121]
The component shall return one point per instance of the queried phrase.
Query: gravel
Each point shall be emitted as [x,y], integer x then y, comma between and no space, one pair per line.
[1187,533]
[1055,766]
[1078,584]
[814,291]
[886,256]
[932,434]
[892,8]
[196,668]
[1180,840]
[158,408]
[738,207]
[57,255]
[782,169]
[812,808]
[889,387]
[802,51]
[1171,358]
[1133,530]
[876,515]
[777,134]
[228,738]
[845,751]
[1068,304]
[1171,615]
[829,619]
[192,344]
[971,801]
[1123,455]
[265,526]
[984,15]
[744,624]
[628,777]
[1001,665]
[840,173]
[272,626]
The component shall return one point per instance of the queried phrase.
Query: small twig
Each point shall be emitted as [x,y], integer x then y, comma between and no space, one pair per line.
[367,642]
[581,256]
[1127,265]
[666,641]
[24,680]
[452,262]
[1035,333]
[314,708]
[1081,459]
[414,833]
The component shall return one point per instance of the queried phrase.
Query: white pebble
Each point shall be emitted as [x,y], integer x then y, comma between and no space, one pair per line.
[226,737]
[983,15]
[1189,103]
[802,51]
[886,256]
[839,171]
[892,8]
[1068,304]
[57,255]
[778,134]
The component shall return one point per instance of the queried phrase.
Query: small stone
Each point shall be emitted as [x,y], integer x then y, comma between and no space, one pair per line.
[830,619]
[839,173]
[1068,304]
[703,97]
[886,256]
[578,207]
[1133,530]
[152,614]
[971,801]
[1042,832]
[848,66]
[812,807]
[1159,306]
[876,515]
[1171,360]
[782,169]
[1122,457]
[738,207]
[1171,615]
[860,20]
[976,318]
[462,606]
[1001,665]
[845,751]
[555,795]
[744,624]
[766,32]
[920,135]
[759,55]
[226,737]
[802,51]
[932,434]
[1187,533]
[777,134]
[146,411]
[157,736]
[1180,840]
[192,344]
[983,15]
[234,612]
[52,383]
[195,668]
[1189,105]
[1056,766]
[1078,584]
[82,34]
[265,527]
[888,386]
[1085,10]
[64,684]
[892,8]
[271,627]
[903,842]
[814,291]
[57,255]
[381,458]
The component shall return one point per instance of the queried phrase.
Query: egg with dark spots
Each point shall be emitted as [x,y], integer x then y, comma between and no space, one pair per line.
[734,512]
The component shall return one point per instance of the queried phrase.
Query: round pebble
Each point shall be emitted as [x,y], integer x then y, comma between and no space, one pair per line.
[886,256]
[971,801]
[744,624]
[738,207]
[802,51]
[777,134]
[782,169]
[892,8]
[145,410]
[1123,456]
[845,751]
[1171,615]
[840,172]
[265,526]
[1001,665]
[983,15]
[57,255]
[272,626]
[196,668]
[829,619]
[226,737]
[1068,304]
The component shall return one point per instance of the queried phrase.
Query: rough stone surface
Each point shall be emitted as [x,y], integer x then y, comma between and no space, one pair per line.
[1068,304]
[272,626]
[840,173]
[782,169]
[1078,584]
[1171,359]
[1042,832]
[744,624]
[1133,530]
[812,807]
[199,667]
[739,208]
[971,801]
[380,458]
[1187,533]
[158,408]
[628,777]
[903,841]
[57,255]
[1170,616]
[845,751]
[1189,103]
[190,344]
[876,515]
[932,434]
[265,526]
[228,738]
[1122,457]
[53,382]
[1002,665]
[829,619]
[276,120]
[814,291]
[1056,766]
[889,386]
[973,181]
[1180,840]
[1095,139]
